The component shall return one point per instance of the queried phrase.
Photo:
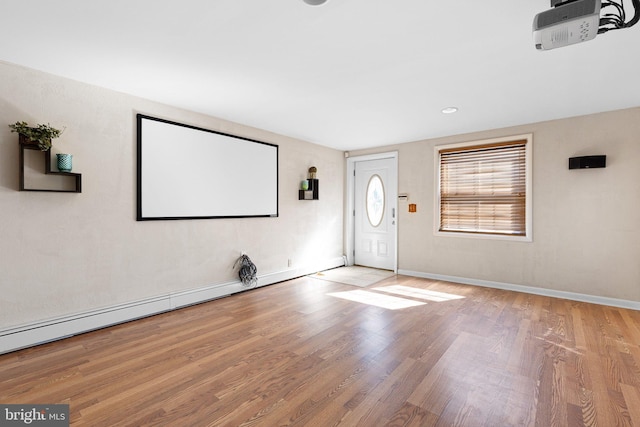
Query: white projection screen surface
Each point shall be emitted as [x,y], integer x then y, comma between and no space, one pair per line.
[185,172]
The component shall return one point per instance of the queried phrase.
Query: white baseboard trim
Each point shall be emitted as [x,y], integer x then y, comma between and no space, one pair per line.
[40,332]
[614,302]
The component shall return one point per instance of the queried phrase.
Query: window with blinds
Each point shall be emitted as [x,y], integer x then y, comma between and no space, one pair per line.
[483,188]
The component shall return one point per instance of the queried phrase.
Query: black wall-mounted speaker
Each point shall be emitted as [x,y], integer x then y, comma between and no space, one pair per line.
[587,162]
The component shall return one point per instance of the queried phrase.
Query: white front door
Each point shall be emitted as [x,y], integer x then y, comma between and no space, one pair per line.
[375,197]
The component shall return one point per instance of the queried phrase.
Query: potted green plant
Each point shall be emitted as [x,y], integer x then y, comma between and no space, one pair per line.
[40,134]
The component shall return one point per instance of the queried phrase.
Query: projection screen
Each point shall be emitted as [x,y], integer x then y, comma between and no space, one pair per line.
[186,172]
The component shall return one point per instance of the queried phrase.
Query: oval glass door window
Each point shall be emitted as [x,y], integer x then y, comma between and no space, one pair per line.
[375,200]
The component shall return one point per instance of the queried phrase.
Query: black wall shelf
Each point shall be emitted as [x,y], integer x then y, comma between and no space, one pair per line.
[311,193]
[77,178]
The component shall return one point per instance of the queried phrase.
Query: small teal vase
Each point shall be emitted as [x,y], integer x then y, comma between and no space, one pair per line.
[64,162]
[304,185]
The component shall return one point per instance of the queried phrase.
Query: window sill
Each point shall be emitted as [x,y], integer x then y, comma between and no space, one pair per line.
[484,236]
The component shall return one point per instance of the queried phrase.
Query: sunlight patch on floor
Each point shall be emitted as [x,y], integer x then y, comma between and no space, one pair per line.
[375,299]
[425,294]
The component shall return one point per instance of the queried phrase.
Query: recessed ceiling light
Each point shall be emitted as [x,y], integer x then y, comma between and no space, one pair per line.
[315,2]
[449,110]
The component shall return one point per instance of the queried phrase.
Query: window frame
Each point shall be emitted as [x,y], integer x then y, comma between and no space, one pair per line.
[528,236]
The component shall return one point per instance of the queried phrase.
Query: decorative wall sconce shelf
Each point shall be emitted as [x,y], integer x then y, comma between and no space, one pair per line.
[75,179]
[311,193]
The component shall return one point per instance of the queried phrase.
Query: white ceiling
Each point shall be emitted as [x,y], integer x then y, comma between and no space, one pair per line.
[349,74]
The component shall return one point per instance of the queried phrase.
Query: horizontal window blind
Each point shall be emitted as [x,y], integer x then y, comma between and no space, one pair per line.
[483,189]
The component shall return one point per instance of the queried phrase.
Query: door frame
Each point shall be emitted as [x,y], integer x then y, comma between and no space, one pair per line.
[350,205]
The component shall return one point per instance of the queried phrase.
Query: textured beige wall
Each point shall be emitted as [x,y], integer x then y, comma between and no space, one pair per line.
[586,223]
[68,253]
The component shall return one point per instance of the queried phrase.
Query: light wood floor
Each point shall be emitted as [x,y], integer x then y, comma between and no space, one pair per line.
[289,354]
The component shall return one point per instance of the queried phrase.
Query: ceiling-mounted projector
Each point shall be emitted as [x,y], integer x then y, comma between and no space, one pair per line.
[567,23]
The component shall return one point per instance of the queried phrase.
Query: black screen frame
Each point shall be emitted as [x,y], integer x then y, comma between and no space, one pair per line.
[148,211]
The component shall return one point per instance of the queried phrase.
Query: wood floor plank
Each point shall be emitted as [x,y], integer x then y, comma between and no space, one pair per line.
[390,392]
[291,354]
[409,415]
